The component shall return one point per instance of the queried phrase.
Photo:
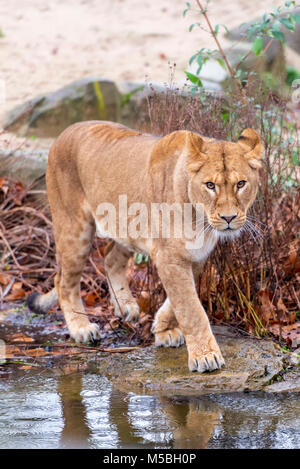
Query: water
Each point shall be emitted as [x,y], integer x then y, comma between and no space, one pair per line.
[83,410]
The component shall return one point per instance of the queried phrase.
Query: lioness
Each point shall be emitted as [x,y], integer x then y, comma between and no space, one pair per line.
[95,162]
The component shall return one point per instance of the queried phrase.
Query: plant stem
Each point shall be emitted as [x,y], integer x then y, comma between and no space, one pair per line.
[250,51]
[235,81]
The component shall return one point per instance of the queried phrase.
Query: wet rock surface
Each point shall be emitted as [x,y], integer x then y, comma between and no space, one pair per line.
[290,382]
[250,366]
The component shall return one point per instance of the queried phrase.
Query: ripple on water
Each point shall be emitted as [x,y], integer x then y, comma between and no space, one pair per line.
[46,410]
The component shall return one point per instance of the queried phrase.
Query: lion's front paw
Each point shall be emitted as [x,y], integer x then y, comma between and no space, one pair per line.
[207,361]
[170,338]
[84,331]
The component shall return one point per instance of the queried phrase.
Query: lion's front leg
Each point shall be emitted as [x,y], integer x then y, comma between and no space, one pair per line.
[178,280]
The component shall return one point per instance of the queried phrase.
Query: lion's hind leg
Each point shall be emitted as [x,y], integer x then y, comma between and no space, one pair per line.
[73,249]
[116,258]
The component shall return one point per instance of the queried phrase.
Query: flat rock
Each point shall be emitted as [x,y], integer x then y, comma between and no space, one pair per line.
[289,383]
[250,366]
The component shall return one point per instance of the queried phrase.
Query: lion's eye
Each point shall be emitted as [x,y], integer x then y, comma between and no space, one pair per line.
[241,184]
[210,185]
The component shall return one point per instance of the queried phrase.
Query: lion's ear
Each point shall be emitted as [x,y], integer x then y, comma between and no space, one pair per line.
[251,142]
[194,150]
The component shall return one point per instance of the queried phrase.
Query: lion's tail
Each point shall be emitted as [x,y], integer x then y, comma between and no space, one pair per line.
[40,304]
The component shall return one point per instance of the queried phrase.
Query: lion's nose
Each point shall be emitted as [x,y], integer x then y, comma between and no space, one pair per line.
[228,218]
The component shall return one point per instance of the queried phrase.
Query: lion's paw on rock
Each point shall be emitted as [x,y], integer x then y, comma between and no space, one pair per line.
[169,338]
[210,361]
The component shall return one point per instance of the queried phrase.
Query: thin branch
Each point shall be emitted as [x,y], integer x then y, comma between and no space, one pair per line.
[237,85]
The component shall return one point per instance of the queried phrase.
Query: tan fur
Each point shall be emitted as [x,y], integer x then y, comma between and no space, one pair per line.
[95,162]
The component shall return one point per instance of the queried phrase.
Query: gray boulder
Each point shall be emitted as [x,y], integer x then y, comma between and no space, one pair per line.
[24,165]
[48,115]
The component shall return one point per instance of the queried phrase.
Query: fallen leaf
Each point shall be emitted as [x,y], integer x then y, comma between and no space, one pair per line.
[285,317]
[292,264]
[290,333]
[144,301]
[4,278]
[17,292]
[35,352]
[114,323]
[92,298]
[21,338]
[266,308]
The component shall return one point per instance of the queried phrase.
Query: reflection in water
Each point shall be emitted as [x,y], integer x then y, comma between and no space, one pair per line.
[84,410]
[119,417]
[194,421]
[75,432]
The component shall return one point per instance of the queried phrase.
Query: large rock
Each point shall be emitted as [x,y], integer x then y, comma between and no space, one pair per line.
[134,104]
[24,165]
[250,366]
[50,114]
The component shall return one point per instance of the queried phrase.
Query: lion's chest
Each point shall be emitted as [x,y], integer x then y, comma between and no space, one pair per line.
[200,253]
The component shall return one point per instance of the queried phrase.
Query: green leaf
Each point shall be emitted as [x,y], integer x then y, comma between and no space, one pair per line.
[187,9]
[216,30]
[194,79]
[276,26]
[278,35]
[125,98]
[222,63]
[291,75]
[257,45]
[225,116]
[193,58]
[200,63]
[295,158]
[253,30]
[289,3]
[287,23]
[138,258]
[296,18]
[225,27]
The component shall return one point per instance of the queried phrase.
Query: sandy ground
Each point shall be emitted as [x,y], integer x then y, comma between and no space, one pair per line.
[48,44]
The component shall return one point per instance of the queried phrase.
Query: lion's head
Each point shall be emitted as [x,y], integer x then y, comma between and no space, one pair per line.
[223,176]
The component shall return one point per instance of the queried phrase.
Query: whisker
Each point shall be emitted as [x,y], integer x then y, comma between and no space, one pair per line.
[255,228]
[253,232]
[256,220]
